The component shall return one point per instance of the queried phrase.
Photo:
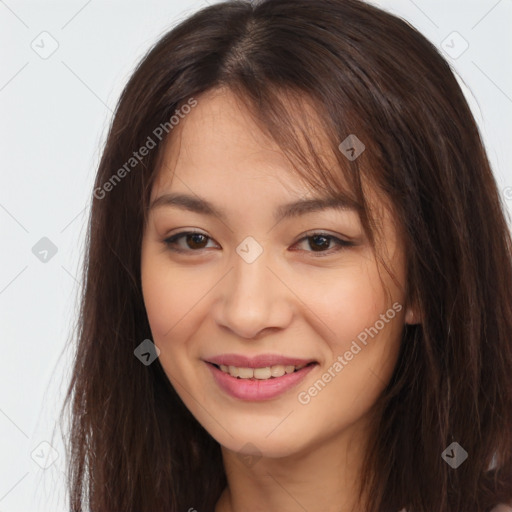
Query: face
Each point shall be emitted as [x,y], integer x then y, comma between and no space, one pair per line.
[273,324]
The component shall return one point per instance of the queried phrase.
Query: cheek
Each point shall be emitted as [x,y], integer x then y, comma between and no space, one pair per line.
[363,328]
[363,345]
[348,303]
[176,301]
[160,301]
[166,294]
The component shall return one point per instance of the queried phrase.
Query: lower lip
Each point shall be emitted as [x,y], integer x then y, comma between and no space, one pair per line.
[248,389]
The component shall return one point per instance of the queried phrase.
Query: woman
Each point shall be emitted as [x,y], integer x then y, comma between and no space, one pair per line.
[298,290]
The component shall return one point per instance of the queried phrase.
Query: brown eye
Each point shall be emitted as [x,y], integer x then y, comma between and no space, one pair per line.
[194,241]
[321,243]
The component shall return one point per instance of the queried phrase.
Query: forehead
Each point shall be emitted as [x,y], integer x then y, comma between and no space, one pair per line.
[219,146]
[220,139]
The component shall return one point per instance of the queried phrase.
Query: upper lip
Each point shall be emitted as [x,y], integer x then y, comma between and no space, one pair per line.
[260,361]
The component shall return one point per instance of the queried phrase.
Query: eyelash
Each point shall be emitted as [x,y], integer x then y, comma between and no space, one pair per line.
[342,244]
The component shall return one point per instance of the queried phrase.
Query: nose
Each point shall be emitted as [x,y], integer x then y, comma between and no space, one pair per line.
[253,298]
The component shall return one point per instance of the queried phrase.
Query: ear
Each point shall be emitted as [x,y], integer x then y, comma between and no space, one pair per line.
[412,315]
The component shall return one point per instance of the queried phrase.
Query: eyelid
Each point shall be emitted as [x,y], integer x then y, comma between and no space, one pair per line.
[170,240]
[338,240]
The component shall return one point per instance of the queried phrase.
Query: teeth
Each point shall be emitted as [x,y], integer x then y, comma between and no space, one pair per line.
[278,371]
[245,373]
[262,373]
[266,373]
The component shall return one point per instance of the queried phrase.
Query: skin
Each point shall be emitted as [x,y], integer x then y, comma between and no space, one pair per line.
[290,301]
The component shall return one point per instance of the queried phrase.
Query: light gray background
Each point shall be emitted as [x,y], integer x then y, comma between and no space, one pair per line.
[54,116]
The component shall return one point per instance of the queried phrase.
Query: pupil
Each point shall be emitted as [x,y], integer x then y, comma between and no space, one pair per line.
[194,238]
[324,245]
[320,242]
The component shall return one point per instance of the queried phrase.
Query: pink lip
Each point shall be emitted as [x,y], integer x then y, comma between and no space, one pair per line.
[261,361]
[255,389]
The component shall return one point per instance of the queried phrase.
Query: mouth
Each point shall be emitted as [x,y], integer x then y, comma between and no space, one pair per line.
[261,378]
[261,373]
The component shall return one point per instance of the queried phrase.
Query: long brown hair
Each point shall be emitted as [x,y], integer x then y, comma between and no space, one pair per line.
[133,445]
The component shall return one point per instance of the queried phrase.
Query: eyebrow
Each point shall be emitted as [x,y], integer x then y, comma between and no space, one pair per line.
[294,209]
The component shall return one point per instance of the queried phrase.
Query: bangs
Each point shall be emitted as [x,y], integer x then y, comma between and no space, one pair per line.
[314,143]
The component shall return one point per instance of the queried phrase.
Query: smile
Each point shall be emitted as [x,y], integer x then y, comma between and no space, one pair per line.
[260,378]
[268,372]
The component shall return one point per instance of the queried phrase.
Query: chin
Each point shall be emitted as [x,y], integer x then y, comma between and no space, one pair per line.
[259,444]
